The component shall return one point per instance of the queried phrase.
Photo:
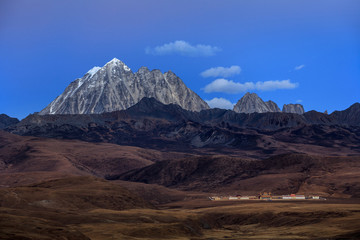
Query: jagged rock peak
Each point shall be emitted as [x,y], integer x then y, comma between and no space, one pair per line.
[273,107]
[115,87]
[143,70]
[293,108]
[251,103]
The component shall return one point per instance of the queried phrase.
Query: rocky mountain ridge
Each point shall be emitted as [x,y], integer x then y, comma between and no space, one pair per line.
[6,121]
[115,87]
[155,125]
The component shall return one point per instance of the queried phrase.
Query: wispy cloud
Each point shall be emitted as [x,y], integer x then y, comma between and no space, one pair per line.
[221,71]
[184,49]
[220,103]
[228,86]
[299,101]
[274,85]
[299,67]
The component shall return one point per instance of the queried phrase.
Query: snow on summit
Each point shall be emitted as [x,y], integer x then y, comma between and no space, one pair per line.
[93,70]
[117,61]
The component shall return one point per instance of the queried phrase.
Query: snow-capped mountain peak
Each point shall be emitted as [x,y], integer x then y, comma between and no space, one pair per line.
[116,62]
[115,87]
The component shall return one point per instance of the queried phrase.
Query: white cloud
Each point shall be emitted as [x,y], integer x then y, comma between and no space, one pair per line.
[220,103]
[299,101]
[221,71]
[299,67]
[228,86]
[183,48]
[274,85]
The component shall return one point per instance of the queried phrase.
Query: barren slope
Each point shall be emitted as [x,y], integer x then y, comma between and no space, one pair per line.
[282,174]
[25,160]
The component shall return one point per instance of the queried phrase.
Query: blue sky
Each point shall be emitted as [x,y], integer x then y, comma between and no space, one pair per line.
[287,51]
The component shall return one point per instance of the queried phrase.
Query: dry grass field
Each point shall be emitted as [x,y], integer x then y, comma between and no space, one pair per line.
[245,221]
[90,208]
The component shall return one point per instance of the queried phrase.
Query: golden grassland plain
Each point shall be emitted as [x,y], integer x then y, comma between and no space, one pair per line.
[195,219]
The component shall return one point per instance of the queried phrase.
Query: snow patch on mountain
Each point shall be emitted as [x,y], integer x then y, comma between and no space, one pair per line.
[93,70]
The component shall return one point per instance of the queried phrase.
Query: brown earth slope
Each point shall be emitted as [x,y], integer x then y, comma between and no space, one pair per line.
[25,160]
[72,193]
[282,174]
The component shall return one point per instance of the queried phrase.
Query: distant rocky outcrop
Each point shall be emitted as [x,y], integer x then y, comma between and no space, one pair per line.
[115,87]
[252,103]
[6,121]
[293,108]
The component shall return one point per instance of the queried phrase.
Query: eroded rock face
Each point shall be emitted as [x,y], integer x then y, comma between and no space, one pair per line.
[251,103]
[115,87]
[293,108]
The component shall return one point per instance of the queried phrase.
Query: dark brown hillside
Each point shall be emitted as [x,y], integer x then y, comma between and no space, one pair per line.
[282,174]
[194,173]
[25,160]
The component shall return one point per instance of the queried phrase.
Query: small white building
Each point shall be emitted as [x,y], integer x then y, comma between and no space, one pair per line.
[299,196]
